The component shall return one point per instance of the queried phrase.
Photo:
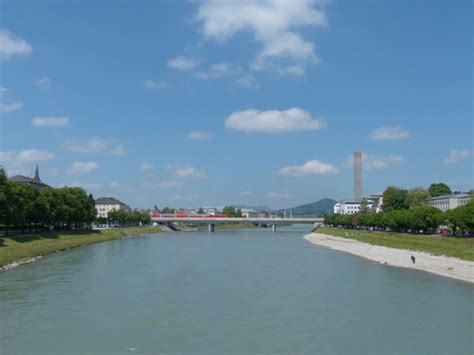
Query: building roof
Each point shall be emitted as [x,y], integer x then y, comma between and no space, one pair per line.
[445,197]
[355,202]
[108,201]
[35,181]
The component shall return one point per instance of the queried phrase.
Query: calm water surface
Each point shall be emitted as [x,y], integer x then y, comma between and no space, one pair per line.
[230,292]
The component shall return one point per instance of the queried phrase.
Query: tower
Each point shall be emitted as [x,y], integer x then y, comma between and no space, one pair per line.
[37,178]
[358,176]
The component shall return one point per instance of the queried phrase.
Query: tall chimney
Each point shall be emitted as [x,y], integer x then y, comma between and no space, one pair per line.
[358,176]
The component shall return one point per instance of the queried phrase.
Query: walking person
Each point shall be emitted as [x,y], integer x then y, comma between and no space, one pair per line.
[412,259]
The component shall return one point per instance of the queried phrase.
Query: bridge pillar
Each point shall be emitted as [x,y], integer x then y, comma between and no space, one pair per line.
[211,227]
[274,228]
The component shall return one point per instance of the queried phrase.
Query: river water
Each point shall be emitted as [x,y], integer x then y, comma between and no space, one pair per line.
[230,292]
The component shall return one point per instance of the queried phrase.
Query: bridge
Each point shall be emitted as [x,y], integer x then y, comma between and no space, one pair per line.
[212,221]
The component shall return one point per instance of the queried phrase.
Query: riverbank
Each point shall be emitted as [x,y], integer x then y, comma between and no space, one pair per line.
[15,251]
[456,247]
[401,257]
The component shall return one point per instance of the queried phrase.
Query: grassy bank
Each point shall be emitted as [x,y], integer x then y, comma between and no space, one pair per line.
[462,248]
[13,249]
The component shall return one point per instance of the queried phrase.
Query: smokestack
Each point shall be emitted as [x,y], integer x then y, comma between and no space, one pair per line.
[358,176]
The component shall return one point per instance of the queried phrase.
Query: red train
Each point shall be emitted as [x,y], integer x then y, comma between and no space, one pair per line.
[156,214]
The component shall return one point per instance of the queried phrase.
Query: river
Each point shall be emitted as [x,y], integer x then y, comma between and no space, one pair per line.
[243,291]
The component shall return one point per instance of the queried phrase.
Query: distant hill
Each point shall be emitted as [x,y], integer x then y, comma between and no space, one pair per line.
[315,209]
[256,208]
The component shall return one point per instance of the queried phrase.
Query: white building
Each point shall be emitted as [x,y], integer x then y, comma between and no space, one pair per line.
[378,202]
[448,202]
[351,206]
[104,205]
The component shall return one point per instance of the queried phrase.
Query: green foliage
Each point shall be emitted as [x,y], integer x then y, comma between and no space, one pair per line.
[168,210]
[439,189]
[461,218]
[394,198]
[416,197]
[422,219]
[131,218]
[229,211]
[23,206]
[200,211]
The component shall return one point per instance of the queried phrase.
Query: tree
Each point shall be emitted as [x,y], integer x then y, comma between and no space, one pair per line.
[229,211]
[416,197]
[200,211]
[168,210]
[3,197]
[439,189]
[461,217]
[394,199]
[424,218]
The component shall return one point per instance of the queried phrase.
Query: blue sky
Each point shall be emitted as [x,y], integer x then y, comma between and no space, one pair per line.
[201,103]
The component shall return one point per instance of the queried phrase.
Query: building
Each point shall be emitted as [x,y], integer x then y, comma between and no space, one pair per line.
[104,205]
[358,176]
[35,181]
[378,202]
[448,202]
[250,213]
[351,206]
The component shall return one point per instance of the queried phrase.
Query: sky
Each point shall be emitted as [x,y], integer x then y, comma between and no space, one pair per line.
[210,103]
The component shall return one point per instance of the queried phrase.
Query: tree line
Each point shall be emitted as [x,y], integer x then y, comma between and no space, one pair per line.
[406,211]
[25,207]
[126,218]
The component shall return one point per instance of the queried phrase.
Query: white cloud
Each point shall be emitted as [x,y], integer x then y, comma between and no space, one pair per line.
[43,83]
[456,155]
[3,90]
[389,133]
[114,184]
[4,108]
[11,45]
[216,71]
[117,150]
[184,63]
[185,198]
[272,23]
[154,85]
[247,81]
[80,167]
[294,119]
[312,167]
[166,184]
[95,145]
[28,155]
[200,136]
[373,162]
[15,161]
[50,121]
[185,172]
[278,195]
[246,193]
[147,167]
